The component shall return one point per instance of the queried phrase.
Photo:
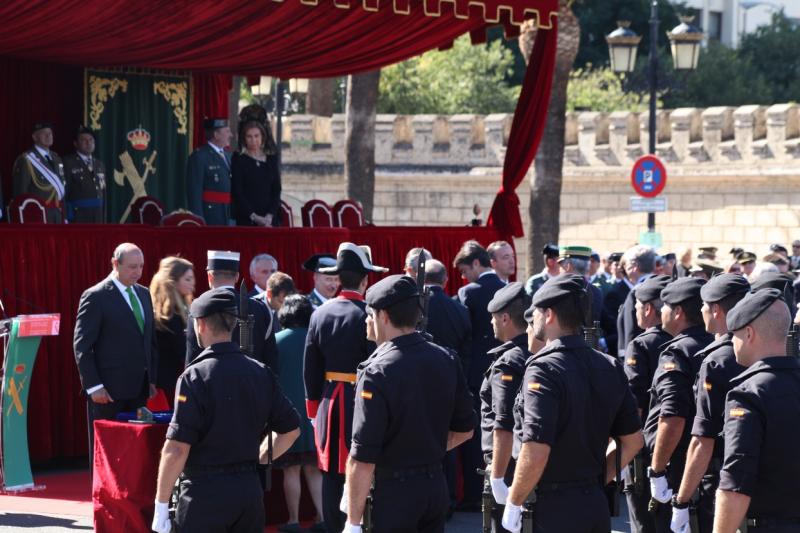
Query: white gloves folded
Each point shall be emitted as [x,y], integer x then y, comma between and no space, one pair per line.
[161,522]
[350,528]
[499,490]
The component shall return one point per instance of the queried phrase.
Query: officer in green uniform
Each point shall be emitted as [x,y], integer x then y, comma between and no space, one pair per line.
[39,171]
[86,181]
[325,285]
[551,269]
[208,177]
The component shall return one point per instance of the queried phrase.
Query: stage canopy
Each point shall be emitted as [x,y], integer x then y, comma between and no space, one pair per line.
[45,44]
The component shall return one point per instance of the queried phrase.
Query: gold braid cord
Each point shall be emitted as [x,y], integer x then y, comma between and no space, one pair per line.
[101,90]
[177,96]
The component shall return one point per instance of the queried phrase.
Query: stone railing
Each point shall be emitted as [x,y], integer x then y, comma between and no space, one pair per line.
[719,135]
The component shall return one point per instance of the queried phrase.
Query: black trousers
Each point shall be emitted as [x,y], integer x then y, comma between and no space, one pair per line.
[582,510]
[707,501]
[449,466]
[221,503]
[471,461]
[332,490]
[416,503]
[640,518]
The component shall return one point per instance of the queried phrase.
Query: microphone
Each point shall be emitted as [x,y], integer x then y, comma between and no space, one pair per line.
[21,300]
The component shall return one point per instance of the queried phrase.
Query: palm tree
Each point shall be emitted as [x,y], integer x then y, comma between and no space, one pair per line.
[545,199]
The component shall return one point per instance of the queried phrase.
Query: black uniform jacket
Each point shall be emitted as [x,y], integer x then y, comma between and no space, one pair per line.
[476,296]
[641,360]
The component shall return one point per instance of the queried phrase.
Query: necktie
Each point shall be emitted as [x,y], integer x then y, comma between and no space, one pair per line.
[49,160]
[137,310]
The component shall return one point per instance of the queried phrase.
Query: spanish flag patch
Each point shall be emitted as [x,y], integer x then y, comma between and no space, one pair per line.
[507,377]
[181,398]
[366,395]
[630,361]
[738,412]
[669,366]
[707,385]
[533,385]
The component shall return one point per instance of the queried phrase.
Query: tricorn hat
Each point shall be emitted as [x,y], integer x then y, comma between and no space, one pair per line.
[353,258]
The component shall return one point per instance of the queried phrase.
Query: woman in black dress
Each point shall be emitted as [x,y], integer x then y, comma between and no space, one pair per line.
[255,179]
[171,290]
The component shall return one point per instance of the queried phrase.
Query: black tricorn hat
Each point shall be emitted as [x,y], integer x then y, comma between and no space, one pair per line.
[318,261]
[353,258]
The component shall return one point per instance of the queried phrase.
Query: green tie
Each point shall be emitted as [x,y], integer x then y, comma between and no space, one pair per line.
[137,310]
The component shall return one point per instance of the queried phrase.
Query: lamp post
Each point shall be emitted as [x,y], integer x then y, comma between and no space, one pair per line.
[622,47]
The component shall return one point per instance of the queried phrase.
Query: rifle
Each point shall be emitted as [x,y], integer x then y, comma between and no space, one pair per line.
[487,500]
[366,521]
[791,341]
[591,335]
[424,293]
[527,513]
[246,322]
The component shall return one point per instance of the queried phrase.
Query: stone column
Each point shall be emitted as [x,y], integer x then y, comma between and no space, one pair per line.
[717,127]
[782,125]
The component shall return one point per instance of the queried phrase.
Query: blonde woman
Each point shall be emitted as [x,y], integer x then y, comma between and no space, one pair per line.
[171,290]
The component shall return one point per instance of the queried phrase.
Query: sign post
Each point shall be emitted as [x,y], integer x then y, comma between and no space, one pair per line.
[648,178]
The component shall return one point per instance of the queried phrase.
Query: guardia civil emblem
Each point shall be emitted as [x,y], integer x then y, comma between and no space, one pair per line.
[139,139]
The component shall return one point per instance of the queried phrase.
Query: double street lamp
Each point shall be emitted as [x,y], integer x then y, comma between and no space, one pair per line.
[623,43]
[283,100]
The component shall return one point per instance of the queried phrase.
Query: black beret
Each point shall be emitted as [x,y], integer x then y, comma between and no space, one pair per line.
[650,289]
[529,314]
[682,290]
[41,125]
[214,301]
[558,288]
[550,250]
[750,307]
[722,286]
[505,296]
[83,129]
[391,290]
[615,257]
[771,280]
[317,261]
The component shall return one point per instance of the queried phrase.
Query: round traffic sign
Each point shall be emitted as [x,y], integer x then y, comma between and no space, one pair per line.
[649,176]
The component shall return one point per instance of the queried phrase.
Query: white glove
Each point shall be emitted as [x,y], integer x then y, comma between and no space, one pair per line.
[499,490]
[161,523]
[343,501]
[659,489]
[512,517]
[680,520]
[351,528]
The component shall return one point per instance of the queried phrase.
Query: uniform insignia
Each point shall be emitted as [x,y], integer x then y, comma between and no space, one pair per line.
[507,377]
[630,361]
[181,398]
[707,385]
[533,385]
[738,412]
[366,395]
[669,366]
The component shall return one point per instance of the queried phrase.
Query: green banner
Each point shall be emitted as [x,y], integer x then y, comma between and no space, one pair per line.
[143,125]
[20,358]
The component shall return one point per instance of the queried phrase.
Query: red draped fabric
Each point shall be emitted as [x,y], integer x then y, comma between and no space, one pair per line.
[210,100]
[287,39]
[45,269]
[526,133]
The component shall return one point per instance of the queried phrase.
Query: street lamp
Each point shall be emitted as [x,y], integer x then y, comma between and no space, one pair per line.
[685,43]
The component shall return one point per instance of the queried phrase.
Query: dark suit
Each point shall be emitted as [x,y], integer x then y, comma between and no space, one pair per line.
[612,303]
[265,349]
[111,350]
[627,328]
[476,296]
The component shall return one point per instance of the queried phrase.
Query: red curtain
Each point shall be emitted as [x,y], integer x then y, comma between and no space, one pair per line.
[210,100]
[526,133]
[45,269]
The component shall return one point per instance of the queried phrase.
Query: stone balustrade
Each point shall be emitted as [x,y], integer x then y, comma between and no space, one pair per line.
[717,135]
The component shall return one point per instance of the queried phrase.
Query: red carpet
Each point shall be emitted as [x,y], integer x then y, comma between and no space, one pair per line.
[65,493]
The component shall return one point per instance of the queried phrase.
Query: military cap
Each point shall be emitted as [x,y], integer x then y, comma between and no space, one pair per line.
[735,251]
[41,125]
[558,288]
[213,302]
[750,307]
[215,123]
[219,260]
[505,296]
[83,129]
[615,257]
[746,257]
[708,266]
[595,257]
[775,258]
[318,261]
[650,289]
[391,290]
[722,286]
[670,257]
[779,248]
[708,249]
[550,250]
[352,258]
[579,252]
[682,290]
[771,280]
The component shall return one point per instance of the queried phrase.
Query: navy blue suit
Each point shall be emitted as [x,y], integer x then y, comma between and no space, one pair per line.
[449,324]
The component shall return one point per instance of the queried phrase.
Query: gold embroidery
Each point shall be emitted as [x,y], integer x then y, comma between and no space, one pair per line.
[101,90]
[176,95]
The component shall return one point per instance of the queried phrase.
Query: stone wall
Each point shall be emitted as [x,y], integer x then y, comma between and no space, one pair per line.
[734,173]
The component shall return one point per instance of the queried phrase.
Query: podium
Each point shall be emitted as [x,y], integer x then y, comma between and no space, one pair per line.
[21,337]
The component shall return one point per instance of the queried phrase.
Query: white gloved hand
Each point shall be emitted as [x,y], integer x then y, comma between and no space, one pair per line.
[161,523]
[680,520]
[343,501]
[659,489]
[499,490]
[512,517]
[351,528]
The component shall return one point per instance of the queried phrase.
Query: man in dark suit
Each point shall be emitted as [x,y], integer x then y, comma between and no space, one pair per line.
[639,263]
[114,344]
[208,177]
[223,272]
[474,263]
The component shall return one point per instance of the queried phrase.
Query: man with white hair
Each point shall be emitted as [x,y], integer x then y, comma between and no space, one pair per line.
[262,267]
[639,262]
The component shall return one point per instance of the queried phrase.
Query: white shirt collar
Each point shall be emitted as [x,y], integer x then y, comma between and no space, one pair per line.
[490,271]
[321,297]
[220,151]
[42,151]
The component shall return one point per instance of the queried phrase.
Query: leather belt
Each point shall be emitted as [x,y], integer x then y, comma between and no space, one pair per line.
[344,377]
[217,197]
[384,473]
[579,484]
